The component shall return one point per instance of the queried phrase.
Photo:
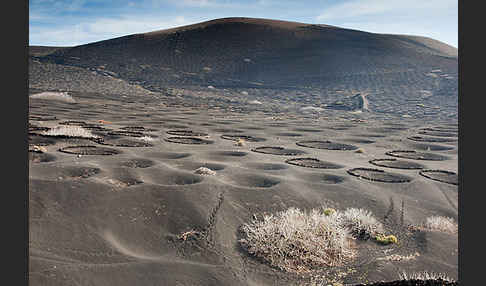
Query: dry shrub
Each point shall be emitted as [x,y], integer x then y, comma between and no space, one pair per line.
[425,275]
[38,149]
[361,223]
[397,257]
[205,171]
[440,223]
[70,131]
[62,96]
[386,239]
[298,241]
[240,143]
[146,138]
[189,234]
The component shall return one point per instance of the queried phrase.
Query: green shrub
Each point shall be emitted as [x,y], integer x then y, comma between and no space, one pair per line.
[329,211]
[388,239]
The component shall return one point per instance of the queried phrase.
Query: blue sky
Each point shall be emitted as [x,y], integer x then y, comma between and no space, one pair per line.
[77,22]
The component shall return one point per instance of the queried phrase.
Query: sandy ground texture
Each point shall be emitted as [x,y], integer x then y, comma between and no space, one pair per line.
[134,206]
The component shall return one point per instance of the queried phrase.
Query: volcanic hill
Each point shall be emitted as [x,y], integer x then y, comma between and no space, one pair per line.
[323,63]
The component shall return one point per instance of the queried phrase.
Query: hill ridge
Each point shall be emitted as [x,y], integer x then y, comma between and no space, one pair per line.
[239,52]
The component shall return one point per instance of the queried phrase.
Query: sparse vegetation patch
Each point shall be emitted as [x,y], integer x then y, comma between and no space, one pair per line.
[425,275]
[69,131]
[298,241]
[440,223]
[49,95]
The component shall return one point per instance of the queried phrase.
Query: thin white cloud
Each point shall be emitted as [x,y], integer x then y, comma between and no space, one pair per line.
[54,7]
[131,25]
[360,8]
[436,19]
[215,4]
[445,34]
[74,5]
[197,3]
[100,29]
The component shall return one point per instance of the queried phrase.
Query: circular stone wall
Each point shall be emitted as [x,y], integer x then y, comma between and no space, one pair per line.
[397,164]
[411,154]
[247,138]
[123,142]
[378,175]
[431,139]
[188,140]
[186,133]
[312,163]
[125,133]
[278,151]
[441,176]
[328,145]
[89,150]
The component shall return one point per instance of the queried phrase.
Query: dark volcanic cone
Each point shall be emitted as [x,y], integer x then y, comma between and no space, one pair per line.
[314,63]
[258,52]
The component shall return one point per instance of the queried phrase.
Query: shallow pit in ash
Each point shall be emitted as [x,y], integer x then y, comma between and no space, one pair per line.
[40,157]
[378,175]
[188,140]
[289,134]
[430,147]
[138,129]
[229,153]
[441,176]
[267,166]
[328,145]
[123,142]
[321,178]
[168,155]
[248,138]
[254,181]
[276,150]
[438,133]
[125,133]
[397,164]
[89,150]
[431,139]
[188,133]
[312,163]
[138,163]
[412,154]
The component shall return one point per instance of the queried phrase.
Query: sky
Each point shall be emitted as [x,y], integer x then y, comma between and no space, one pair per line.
[76,22]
